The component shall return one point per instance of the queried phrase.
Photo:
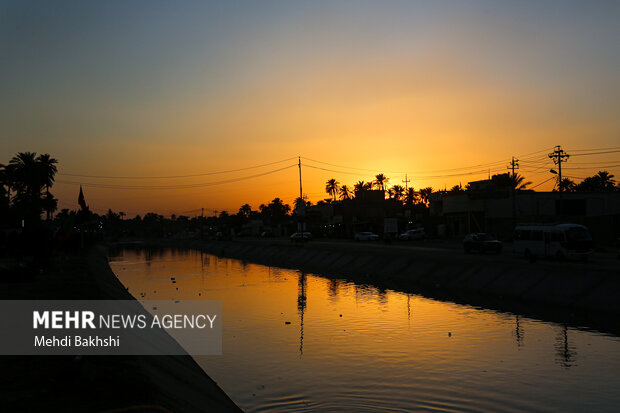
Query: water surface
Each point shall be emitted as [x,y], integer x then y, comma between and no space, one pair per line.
[352,347]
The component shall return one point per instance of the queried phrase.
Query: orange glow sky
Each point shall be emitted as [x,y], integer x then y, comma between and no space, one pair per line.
[156,89]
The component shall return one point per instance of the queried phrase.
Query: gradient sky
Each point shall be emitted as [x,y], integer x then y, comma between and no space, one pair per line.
[152,88]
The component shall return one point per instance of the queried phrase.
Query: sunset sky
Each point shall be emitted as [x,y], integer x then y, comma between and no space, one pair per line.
[145,88]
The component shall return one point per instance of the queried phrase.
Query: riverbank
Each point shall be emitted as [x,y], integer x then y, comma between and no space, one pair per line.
[99,383]
[586,293]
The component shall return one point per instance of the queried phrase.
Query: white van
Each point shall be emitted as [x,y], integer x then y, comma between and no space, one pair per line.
[571,241]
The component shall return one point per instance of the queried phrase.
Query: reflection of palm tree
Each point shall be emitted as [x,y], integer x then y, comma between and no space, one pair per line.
[380,181]
[565,352]
[518,332]
[345,192]
[331,187]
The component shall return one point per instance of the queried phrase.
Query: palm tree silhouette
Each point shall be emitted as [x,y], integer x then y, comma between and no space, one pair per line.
[345,192]
[245,210]
[425,194]
[567,185]
[605,180]
[411,197]
[398,191]
[331,187]
[519,182]
[362,186]
[48,170]
[380,181]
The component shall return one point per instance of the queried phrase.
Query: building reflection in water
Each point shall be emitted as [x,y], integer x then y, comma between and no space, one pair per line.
[519,334]
[565,351]
[301,308]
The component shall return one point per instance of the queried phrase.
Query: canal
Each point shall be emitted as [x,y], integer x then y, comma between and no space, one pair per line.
[302,342]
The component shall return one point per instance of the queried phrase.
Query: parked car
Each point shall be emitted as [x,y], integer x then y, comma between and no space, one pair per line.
[482,242]
[366,236]
[301,237]
[412,234]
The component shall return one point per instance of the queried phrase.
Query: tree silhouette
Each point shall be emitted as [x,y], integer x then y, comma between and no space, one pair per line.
[567,185]
[601,182]
[510,181]
[425,195]
[380,181]
[398,192]
[411,197]
[361,187]
[47,164]
[245,211]
[345,192]
[331,187]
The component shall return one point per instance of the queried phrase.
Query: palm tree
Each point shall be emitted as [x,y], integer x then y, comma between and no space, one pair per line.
[48,170]
[411,197]
[456,188]
[345,192]
[605,180]
[425,194]
[519,182]
[245,210]
[26,175]
[601,182]
[331,187]
[507,180]
[380,181]
[567,185]
[398,192]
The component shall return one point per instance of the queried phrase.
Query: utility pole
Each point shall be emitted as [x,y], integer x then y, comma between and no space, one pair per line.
[299,164]
[514,164]
[406,181]
[558,155]
[300,202]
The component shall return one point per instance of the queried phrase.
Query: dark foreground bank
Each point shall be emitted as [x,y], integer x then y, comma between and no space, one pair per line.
[98,383]
[584,294]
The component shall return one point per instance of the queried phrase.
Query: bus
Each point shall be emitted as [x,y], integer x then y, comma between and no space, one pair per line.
[561,241]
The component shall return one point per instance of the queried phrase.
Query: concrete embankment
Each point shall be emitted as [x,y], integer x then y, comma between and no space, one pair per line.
[100,383]
[574,285]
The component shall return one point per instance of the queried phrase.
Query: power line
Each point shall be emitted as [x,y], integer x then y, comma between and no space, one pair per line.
[348,167]
[595,149]
[543,182]
[596,153]
[177,176]
[166,187]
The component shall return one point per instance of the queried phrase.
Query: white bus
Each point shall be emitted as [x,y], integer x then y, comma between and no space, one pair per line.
[562,241]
